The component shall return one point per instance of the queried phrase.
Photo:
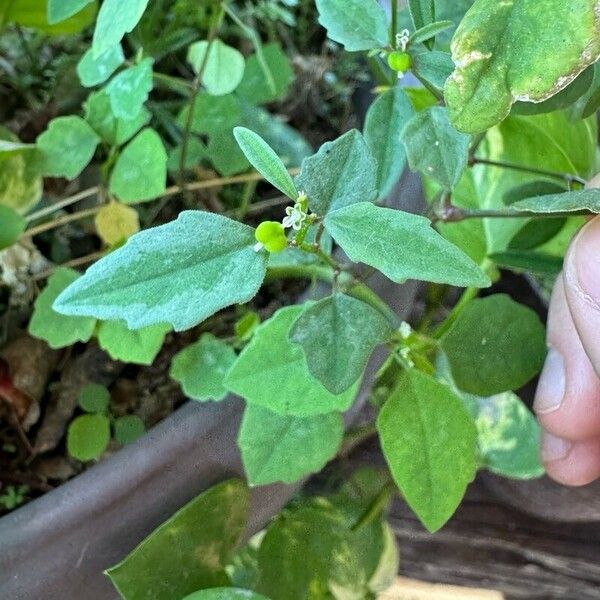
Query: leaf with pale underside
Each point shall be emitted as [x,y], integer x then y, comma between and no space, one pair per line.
[580,201]
[517,50]
[179,273]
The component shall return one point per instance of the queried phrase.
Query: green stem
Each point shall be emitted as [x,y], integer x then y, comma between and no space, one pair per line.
[355,437]
[249,189]
[567,177]
[394,24]
[454,214]
[212,36]
[468,295]
[376,507]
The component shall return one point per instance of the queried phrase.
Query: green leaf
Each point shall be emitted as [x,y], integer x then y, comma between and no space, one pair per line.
[357,24]
[13,225]
[115,131]
[401,245]
[588,103]
[195,154]
[331,556]
[432,68]
[139,346]
[225,154]
[427,32]
[550,141]
[494,346]
[429,442]
[338,335]
[189,551]
[67,146]
[141,170]
[254,87]
[224,68]
[93,71]
[271,372]
[384,123]
[580,201]
[287,142]
[341,173]
[130,89]
[201,368]
[35,13]
[59,10]
[284,448]
[535,233]
[508,435]
[94,398]
[435,148]
[264,159]
[532,262]
[88,437]
[565,98]
[171,274]
[422,12]
[212,114]
[115,19]
[59,331]
[20,180]
[499,61]
[225,594]
[128,429]
[540,187]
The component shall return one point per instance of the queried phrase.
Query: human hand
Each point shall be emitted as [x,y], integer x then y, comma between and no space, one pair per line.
[568,397]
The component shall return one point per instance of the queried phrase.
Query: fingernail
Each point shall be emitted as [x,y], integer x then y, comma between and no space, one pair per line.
[551,386]
[587,262]
[554,448]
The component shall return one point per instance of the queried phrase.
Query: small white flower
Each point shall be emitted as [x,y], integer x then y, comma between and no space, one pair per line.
[405,330]
[402,39]
[405,354]
[295,217]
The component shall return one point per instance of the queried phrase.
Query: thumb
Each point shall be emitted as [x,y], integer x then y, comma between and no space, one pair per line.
[581,276]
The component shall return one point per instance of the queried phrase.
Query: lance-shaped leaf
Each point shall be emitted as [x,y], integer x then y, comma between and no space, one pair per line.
[338,334]
[357,24]
[401,246]
[59,10]
[285,448]
[494,346]
[341,173]
[225,593]
[179,273]
[429,441]
[385,121]
[525,50]
[271,372]
[580,201]
[422,12]
[435,148]
[264,159]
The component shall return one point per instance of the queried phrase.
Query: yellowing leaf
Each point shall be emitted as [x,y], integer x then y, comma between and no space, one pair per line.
[116,223]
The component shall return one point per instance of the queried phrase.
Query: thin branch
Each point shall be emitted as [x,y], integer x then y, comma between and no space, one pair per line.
[63,220]
[63,204]
[212,36]
[569,178]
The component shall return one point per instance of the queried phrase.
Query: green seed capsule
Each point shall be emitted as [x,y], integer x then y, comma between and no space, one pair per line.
[399,61]
[272,236]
